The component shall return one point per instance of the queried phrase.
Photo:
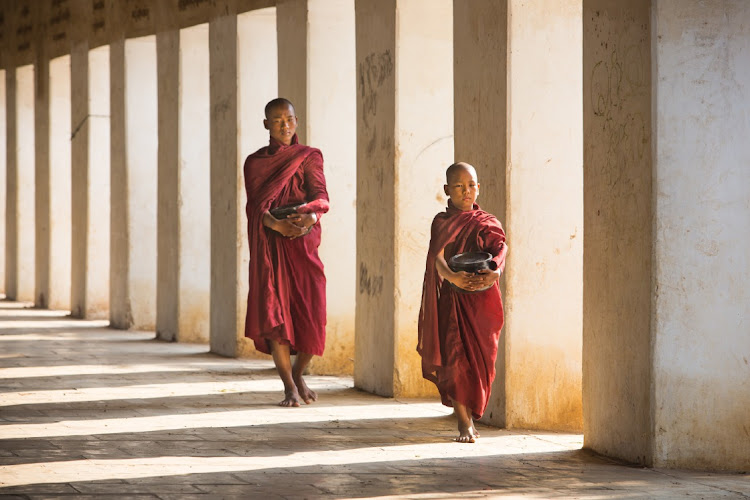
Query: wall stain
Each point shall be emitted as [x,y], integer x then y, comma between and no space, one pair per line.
[373,72]
[617,81]
[370,284]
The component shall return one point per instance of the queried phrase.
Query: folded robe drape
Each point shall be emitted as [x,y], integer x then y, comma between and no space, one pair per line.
[286,301]
[459,332]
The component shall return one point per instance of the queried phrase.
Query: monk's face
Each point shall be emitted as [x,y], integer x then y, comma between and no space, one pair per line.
[463,188]
[281,123]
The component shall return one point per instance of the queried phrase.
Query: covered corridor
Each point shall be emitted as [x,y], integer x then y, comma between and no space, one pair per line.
[610,137]
[100,412]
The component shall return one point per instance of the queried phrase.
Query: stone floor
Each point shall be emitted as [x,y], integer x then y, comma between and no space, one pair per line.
[90,412]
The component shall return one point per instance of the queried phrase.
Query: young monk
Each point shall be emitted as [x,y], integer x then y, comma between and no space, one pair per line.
[286,306]
[459,331]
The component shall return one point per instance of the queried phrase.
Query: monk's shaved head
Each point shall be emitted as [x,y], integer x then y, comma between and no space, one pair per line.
[278,103]
[459,167]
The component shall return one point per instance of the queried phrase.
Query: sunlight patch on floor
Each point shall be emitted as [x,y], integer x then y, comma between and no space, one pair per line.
[100,470]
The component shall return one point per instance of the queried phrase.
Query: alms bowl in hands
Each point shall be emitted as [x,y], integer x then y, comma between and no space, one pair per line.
[470,262]
[286,210]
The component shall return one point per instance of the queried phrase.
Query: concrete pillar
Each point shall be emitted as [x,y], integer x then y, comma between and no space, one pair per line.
[226,183]
[42,182]
[317,72]
[24,208]
[256,54]
[168,221]
[184,179]
[701,336]
[133,179]
[3,177]
[544,217]
[58,186]
[480,47]
[11,187]
[404,144]
[617,268]
[90,182]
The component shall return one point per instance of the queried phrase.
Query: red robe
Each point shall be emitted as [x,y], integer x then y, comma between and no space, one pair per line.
[459,332]
[287,300]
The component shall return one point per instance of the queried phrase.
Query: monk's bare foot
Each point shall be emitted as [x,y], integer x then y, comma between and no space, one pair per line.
[291,398]
[307,394]
[465,435]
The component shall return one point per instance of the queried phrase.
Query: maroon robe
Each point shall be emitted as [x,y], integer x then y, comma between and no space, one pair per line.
[287,300]
[459,332]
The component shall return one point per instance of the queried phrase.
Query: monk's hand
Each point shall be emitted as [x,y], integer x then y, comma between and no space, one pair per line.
[464,280]
[487,277]
[304,221]
[288,229]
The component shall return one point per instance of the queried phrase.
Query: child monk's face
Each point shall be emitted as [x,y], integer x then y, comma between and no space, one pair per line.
[281,123]
[462,187]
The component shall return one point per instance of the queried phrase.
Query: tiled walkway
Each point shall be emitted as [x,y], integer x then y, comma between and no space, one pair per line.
[90,412]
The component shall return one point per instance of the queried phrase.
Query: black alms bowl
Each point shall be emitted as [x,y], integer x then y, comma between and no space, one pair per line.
[471,262]
[283,212]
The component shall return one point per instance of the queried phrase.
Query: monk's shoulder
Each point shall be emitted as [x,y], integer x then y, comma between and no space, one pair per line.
[311,154]
[256,156]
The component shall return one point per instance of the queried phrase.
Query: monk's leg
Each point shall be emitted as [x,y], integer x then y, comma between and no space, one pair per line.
[307,394]
[466,431]
[282,360]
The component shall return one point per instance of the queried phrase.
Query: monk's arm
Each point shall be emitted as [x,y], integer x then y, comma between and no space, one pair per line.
[315,188]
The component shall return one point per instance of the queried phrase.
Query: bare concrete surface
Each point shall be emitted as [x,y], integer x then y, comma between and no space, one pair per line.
[86,411]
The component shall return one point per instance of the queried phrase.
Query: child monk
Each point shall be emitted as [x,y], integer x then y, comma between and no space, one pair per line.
[286,306]
[459,331]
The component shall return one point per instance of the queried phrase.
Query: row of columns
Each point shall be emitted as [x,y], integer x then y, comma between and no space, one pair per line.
[573,156]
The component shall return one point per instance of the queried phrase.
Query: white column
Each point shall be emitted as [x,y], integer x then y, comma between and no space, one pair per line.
[404,144]
[3,179]
[617,228]
[544,216]
[133,181]
[91,171]
[256,55]
[11,187]
[317,73]
[194,186]
[59,185]
[701,348]
[480,73]
[227,320]
[98,192]
[25,167]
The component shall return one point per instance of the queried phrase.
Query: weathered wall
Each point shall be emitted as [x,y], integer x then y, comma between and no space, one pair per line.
[59,184]
[376,122]
[24,209]
[226,216]
[11,188]
[480,49]
[42,185]
[134,172]
[331,123]
[98,172]
[617,228]
[256,52]
[701,357]
[424,149]
[404,144]
[194,185]
[168,221]
[544,216]
[3,173]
